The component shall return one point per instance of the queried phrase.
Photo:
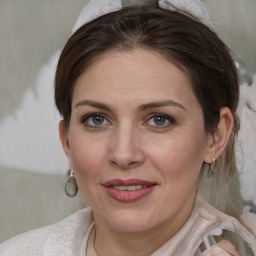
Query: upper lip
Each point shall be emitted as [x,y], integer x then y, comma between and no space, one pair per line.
[129,182]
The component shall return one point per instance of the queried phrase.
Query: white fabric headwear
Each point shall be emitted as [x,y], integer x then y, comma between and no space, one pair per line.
[96,8]
[194,7]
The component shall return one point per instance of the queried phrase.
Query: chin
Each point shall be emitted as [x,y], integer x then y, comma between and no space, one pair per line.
[131,221]
[130,225]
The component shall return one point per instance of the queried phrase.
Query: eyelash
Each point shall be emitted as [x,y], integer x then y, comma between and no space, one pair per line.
[168,118]
[85,119]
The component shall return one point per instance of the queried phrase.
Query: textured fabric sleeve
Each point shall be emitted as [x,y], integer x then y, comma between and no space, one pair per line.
[30,243]
[63,238]
[249,218]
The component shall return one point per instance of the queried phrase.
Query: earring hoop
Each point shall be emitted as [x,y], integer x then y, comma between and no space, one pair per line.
[211,171]
[71,179]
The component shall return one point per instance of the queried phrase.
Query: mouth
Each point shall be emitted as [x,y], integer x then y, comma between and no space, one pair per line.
[127,191]
[129,188]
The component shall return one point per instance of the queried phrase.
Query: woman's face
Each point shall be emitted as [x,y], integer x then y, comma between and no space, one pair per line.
[136,141]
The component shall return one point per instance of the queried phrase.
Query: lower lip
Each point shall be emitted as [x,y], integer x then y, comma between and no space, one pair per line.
[128,196]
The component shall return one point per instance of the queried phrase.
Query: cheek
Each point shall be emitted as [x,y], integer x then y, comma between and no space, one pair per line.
[179,158]
[87,161]
[86,156]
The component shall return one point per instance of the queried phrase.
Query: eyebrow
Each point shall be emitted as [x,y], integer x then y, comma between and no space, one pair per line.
[141,108]
[158,104]
[93,103]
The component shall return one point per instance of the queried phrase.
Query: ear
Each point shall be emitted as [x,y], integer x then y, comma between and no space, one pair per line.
[64,138]
[218,141]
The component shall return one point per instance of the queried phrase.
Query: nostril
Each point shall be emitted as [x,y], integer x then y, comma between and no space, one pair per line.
[125,165]
[125,152]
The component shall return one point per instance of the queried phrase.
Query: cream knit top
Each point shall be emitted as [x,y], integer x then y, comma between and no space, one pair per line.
[69,237]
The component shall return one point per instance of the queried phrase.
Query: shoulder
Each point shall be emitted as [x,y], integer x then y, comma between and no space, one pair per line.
[229,223]
[249,218]
[28,243]
[56,239]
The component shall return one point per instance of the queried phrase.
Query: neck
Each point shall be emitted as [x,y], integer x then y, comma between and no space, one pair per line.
[142,243]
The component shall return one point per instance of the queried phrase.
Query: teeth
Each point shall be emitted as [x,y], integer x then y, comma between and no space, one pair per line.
[129,188]
[138,186]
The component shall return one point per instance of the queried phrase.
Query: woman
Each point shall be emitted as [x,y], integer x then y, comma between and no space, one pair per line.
[148,97]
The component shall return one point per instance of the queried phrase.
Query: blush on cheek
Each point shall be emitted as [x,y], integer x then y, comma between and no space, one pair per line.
[86,159]
[180,164]
[83,163]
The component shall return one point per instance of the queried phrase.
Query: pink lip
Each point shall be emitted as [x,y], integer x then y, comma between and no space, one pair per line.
[130,182]
[128,196]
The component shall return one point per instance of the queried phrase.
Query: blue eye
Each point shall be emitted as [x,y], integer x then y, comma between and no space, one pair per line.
[161,120]
[95,120]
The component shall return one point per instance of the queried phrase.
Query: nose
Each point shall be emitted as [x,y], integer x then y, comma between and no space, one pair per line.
[125,148]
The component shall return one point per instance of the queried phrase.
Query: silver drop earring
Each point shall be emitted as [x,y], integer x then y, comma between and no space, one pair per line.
[211,171]
[70,186]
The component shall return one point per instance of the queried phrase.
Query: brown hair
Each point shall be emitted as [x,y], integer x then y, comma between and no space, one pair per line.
[182,40]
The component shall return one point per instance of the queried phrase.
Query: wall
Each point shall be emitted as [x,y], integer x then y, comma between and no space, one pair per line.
[32,164]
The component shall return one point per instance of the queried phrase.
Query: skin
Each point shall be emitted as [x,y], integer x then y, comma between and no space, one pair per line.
[223,248]
[228,247]
[129,144]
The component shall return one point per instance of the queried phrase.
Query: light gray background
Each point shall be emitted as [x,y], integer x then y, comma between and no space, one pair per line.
[30,32]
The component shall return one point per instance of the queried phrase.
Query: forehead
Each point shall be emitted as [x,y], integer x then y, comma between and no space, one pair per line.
[137,74]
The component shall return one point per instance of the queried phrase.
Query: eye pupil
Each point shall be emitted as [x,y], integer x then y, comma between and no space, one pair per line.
[159,120]
[98,120]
